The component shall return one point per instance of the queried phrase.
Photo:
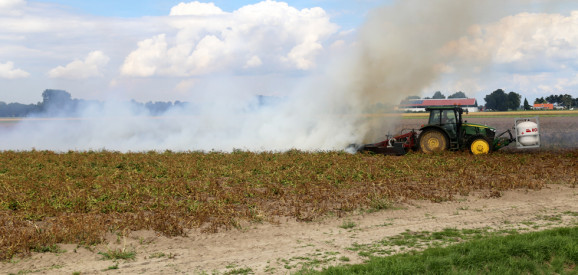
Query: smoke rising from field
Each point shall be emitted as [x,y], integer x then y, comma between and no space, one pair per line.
[398,53]
[400,50]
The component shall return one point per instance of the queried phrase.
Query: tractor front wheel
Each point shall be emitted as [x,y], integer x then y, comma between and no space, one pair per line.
[433,141]
[480,145]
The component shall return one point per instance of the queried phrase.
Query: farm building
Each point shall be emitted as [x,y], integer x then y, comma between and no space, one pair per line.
[419,105]
[543,106]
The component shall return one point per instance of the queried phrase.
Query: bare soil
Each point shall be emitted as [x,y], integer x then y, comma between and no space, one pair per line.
[288,246]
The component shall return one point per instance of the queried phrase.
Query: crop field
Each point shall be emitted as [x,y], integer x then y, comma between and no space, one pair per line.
[78,197]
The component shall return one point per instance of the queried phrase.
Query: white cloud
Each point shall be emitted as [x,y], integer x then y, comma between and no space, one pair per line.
[303,55]
[253,62]
[269,32]
[144,60]
[11,7]
[526,38]
[91,66]
[196,8]
[8,71]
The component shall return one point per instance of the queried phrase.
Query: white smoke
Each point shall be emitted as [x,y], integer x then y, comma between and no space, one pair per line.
[398,53]
[222,125]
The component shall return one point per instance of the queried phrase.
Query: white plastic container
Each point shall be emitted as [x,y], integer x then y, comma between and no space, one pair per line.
[527,133]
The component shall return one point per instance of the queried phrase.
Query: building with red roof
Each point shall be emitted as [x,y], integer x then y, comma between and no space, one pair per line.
[419,105]
[543,106]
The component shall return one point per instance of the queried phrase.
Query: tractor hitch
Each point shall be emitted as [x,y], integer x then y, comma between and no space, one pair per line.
[398,145]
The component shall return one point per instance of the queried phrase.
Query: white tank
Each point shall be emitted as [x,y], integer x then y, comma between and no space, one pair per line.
[528,133]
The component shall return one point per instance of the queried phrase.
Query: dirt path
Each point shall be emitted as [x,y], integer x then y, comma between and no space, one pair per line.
[288,246]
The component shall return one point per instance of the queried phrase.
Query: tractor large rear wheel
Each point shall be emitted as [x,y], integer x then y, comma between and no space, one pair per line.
[433,141]
[480,145]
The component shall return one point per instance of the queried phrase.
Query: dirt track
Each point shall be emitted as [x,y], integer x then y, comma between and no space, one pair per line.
[285,247]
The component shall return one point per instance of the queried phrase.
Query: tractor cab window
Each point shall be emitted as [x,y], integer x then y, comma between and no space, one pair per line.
[448,117]
[442,117]
[449,123]
[435,117]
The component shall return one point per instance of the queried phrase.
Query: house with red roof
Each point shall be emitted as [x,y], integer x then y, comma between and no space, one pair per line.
[543,106]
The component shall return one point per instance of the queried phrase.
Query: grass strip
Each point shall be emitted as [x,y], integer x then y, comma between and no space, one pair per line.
[552,251]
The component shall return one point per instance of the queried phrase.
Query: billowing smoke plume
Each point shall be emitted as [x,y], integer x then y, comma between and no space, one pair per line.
[301,121]
[398,53]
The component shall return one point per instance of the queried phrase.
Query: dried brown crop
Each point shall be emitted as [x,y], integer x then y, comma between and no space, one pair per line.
[77,197]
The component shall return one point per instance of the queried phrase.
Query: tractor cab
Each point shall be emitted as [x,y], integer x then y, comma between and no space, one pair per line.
[450,119]
[447,121]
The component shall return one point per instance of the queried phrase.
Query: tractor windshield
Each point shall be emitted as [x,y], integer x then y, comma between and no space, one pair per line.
[440,117]
[435,117]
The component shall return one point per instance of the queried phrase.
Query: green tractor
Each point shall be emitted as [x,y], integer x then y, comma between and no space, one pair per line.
[446,130]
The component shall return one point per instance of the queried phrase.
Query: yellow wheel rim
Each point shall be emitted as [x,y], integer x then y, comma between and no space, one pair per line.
[433,141]
[480,146]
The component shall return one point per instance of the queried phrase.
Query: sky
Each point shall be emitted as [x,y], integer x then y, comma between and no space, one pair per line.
[168,50]
[347,13]
[325,62]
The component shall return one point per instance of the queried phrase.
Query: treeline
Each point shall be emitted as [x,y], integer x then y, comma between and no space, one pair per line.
[499,100]
[563,100]
[439,95]
[60,103]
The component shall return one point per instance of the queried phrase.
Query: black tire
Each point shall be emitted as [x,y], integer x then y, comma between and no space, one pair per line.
[433,140]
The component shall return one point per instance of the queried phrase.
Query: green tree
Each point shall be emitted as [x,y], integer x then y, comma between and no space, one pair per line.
[540,100]
[438,95]
[497,100]
[459,94]
[56,101]
[526,104]
[17,109]
[514,101]
[552,99]
[58,97]
[566,100]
